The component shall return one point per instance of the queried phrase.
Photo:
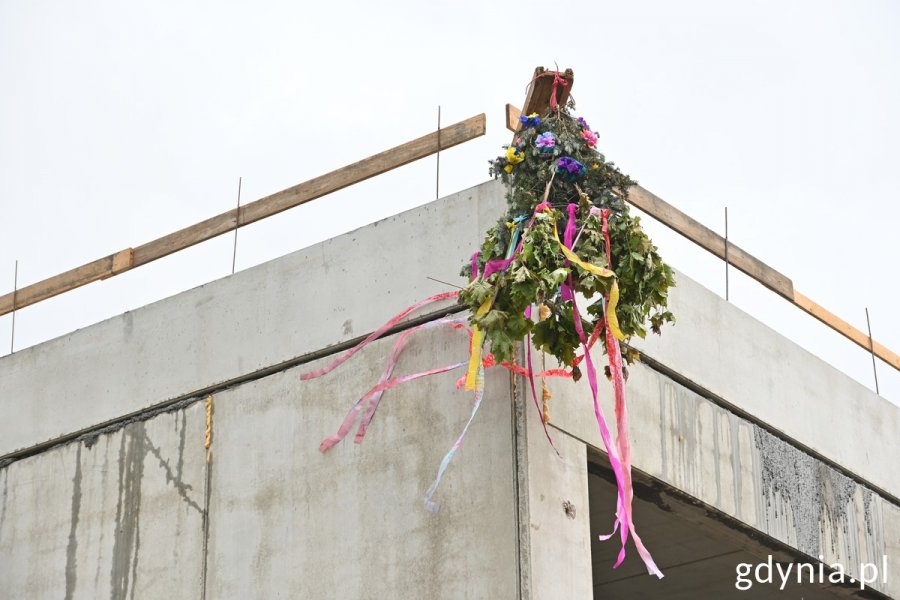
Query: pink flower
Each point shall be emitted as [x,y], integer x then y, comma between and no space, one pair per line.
[589,137]
[545,141]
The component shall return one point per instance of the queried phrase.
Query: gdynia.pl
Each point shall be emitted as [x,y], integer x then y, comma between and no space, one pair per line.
[784,573]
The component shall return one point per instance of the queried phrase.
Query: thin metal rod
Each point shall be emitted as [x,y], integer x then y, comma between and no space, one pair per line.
[237,222]
[872,349]
[437,176]
[12,337]
[726,254]
[444,282]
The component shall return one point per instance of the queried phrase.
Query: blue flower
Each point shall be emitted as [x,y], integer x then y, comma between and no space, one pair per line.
[532,120]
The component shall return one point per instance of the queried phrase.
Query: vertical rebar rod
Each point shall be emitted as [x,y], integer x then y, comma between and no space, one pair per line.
[726,254]
[12,337]
[437,176]
[872,350]
[237,222]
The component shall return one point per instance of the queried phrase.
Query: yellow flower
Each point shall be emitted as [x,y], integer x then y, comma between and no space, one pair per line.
[513,156]
[508,168]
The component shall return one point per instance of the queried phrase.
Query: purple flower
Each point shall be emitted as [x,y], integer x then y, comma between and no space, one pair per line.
[583,123]
[570,168]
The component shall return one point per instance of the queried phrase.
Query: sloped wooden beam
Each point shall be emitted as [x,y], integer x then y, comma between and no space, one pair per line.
[127,259]
[709,240]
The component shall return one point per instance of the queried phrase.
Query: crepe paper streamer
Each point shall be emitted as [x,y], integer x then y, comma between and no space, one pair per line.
[611,319]
[374,401]
[526,373]
[475,347]
[611,451]
[331,441]
[479,395]
[478,335]
[624,448]
[456,323]
[498,265]
[613,352]
[566,290]
[518,370]
[377,334]
[594,337]
[569,233]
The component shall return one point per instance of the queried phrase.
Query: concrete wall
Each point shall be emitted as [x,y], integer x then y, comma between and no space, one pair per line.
[121,515]
[746,423]
[277,311]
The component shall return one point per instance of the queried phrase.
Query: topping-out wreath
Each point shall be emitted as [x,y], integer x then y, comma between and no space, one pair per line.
[567,237]
[553,163]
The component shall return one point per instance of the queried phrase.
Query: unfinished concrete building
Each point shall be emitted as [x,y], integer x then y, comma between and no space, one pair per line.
[173,452]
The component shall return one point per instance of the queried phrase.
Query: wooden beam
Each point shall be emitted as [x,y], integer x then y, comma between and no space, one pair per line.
[512,118]
[847,330]
[711,241]
[708,239]
[127,259]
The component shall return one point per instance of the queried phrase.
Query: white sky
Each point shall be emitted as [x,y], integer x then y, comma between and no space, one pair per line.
[121,122]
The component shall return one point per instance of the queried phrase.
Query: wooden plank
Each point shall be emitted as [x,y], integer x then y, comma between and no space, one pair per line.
[708,239]
[77,277]
[512,118]
[124,260]
[426,145]
[847,330]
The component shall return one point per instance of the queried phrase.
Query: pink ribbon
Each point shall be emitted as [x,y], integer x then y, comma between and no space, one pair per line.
[623,445]
[376,334]
[375,398]
[498,265]
[557,81]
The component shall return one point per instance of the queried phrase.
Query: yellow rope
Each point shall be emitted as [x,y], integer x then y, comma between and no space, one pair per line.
[545,400]
[208,442]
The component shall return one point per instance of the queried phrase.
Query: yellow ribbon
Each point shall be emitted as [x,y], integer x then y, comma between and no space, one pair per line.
[611,319]
[477,342]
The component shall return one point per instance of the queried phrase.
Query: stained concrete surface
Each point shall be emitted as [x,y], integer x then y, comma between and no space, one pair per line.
[700,560]
[736,467]
[116,517]
[121,515]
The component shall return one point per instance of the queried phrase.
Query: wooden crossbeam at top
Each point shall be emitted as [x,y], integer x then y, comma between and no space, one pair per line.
[127,259]
[711,241]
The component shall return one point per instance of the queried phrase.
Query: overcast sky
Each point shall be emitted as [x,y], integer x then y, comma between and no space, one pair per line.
[124,121]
